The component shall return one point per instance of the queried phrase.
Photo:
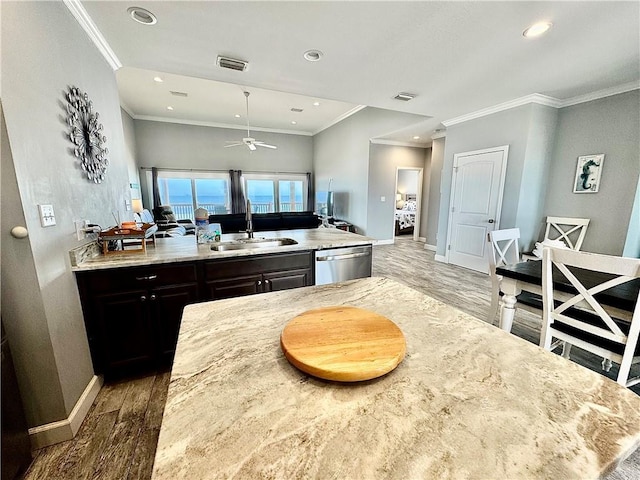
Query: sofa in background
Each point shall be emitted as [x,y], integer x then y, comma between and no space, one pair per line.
[236,222]
[167,224]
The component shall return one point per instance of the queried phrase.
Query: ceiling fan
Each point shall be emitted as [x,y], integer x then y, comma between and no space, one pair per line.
[248,140]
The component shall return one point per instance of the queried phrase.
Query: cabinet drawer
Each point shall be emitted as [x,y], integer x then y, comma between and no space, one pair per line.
[257,264]
[120,279]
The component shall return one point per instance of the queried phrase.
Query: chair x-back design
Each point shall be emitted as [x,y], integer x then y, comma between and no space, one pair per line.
[570,230]
[581,320]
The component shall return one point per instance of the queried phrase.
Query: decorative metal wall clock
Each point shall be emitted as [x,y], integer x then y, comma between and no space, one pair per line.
[85,132]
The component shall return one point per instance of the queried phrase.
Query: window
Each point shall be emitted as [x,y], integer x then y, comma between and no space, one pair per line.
[276,192]
[187,191]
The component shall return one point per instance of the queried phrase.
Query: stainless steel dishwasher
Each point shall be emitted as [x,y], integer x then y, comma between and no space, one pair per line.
[340,264]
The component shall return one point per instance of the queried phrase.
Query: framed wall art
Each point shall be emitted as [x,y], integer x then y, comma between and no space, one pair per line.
[588,172]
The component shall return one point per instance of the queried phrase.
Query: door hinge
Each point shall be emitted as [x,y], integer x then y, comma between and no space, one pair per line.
[455,169]
[453,209]
[448,247]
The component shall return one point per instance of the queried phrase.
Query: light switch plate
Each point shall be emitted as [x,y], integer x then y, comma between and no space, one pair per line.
[47,217]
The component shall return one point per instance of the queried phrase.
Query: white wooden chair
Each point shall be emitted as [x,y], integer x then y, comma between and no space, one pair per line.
[590,327]
[504,251]
[569,230]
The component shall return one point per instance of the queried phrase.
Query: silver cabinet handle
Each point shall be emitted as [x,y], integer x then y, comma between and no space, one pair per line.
[152,297]
[259,282]
[143,298]
[147,278]
[342,257]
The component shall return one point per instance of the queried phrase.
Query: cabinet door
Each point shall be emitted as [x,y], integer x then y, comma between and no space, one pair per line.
[287,279]
[234,287]
[166,314]
[124,333]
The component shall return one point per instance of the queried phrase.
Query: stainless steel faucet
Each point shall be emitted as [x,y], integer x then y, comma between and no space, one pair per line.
[249,220]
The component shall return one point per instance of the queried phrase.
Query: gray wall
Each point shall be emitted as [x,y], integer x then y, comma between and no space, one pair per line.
[611,126]
[426,194]
[384,162]
[45,51]
[528,132]
[176,146]
[128,131]
[434,180]
[341,152]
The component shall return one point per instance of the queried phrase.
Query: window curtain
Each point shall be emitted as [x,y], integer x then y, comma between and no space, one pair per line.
[238,203]
[156,191]
[311,193]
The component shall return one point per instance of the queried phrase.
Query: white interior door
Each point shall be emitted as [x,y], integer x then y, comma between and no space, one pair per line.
[476,200]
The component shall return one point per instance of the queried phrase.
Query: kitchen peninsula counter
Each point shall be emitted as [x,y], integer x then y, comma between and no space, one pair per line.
[182,249]
[468,401]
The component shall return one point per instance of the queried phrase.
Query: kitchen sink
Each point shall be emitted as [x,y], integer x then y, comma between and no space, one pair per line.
[253,243]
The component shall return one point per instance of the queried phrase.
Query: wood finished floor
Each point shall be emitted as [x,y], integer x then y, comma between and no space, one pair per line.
[118,438]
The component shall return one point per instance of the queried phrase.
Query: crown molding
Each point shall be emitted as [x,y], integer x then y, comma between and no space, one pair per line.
[183,121]
[395,143]
[544,100]
[126,108]
[437,135]
[83,18]
[518,102]
[607,92]
[340,118]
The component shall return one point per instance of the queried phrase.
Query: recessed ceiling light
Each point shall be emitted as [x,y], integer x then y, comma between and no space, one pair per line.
[142,15]
[537,29]
[169,107]
[158,79]
[416,137]
[316,104]
[237,115]
[293,122]
[313,55]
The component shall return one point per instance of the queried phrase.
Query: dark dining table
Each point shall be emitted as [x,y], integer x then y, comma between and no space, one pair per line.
[527,277]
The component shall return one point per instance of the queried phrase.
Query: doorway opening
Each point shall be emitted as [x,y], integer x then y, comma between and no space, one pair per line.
[408,201]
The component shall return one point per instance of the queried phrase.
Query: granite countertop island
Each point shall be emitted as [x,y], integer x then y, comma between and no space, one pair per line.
[468,400]
[182,249]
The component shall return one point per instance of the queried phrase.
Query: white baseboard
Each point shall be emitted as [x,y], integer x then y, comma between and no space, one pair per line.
[422,239]
[385,242]
[440,258]
[62,430]
[431,248]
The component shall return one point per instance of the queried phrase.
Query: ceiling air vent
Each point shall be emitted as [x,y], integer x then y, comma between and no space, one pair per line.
[405,97]
[178,94]
[297,110]
[232,63]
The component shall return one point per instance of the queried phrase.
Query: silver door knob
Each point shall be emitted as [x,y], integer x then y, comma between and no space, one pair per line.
[491,220]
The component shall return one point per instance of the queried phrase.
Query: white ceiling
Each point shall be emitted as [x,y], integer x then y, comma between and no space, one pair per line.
[458,57]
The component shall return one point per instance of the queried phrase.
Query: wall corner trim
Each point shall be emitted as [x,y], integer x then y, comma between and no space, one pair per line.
[441,258]
[340,118]
[62,430]
[431,248]
[85,21]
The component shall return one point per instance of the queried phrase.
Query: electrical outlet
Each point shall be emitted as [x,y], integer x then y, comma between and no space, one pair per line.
[47,217]
[80,225]
[383,199]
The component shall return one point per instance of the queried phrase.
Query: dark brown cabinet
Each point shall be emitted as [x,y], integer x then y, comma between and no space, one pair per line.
[257,274]
[132,315]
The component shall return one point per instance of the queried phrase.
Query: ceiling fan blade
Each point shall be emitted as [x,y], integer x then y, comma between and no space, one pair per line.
[251,146]
[266,145]
[234,144]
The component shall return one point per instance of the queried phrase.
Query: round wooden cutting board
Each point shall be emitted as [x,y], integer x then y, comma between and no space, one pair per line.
[346,344]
